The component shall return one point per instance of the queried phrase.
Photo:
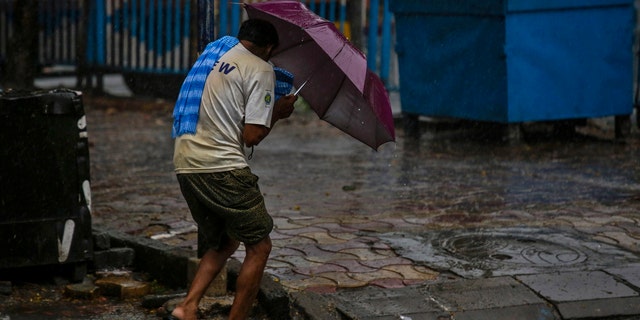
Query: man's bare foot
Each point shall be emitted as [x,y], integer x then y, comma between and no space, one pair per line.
[184,313]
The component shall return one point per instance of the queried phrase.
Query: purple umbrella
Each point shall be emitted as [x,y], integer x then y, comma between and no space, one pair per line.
[329,71]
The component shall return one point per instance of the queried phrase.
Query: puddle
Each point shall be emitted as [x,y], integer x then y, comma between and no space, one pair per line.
[509,251]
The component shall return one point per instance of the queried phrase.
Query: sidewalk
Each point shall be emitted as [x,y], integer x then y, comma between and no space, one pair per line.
[453,226]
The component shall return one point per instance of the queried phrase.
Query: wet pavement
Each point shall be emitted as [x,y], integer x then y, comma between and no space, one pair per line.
[459,224]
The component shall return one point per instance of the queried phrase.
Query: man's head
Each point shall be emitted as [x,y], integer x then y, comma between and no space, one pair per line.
[260,32]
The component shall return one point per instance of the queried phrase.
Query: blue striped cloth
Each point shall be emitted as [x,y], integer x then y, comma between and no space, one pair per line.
[284,82]
[187,108]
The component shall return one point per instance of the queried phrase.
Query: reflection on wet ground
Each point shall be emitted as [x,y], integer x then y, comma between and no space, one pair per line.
[463,173]
[508,251]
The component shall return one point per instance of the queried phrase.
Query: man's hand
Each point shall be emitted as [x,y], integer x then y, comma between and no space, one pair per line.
[283,108]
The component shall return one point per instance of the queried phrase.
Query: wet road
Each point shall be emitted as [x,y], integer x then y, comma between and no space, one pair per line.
[331,196]
[324,185]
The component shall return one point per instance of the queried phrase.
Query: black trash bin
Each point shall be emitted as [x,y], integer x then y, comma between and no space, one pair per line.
[45,193]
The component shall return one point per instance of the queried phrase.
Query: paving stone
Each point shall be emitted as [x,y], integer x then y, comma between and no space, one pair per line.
[282,224]
[292,241]
[375,302]
[526,312]
[343,280]
[479,294]
[334,227]
[344,236]
[577,286]
[275,235]
[317,252]
[388,283]
[421,222]
[621,239]
[315,270]
[575,293]
[122,287]
[596,309]
[386,261]
[302,230]
[302,284]
[298,261]
[631,274]
[338,247]
[411,282]
[274,263]
[317,221]
[373,226]
[352,266]
[287,252]
[329,257]
[84,290]
[611,219]
[387,252]
[409,272]
[364,254]
[370,277]
[398,223]
[322,289]
[322,237]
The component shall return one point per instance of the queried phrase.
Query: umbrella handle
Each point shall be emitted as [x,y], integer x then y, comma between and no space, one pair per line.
[302,86]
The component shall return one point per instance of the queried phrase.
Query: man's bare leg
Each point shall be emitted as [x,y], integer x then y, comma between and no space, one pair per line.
[249,278]
[209,267]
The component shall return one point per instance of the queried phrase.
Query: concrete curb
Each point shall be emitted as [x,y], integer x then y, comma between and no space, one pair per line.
[169,265]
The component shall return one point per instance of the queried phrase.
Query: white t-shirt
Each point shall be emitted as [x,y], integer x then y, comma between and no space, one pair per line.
[239,89]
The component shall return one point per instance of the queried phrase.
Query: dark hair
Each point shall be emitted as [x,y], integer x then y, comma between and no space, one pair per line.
[261,32]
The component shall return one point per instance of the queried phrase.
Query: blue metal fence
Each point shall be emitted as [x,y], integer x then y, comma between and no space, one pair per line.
[58,33]
[140,35]
[163,36]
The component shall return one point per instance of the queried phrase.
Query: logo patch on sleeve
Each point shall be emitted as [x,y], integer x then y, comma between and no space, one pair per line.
[267,98]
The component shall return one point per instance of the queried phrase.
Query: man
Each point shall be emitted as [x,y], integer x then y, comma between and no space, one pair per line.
[237,110]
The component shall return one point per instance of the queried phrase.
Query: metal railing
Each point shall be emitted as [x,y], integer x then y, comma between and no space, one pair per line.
[164,36]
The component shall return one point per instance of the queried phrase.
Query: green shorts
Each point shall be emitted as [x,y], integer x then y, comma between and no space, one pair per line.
[226,205]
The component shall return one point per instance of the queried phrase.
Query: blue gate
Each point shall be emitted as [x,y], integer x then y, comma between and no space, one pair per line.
[159,38]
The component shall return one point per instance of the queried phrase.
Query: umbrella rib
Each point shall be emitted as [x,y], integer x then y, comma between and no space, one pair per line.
[344,76]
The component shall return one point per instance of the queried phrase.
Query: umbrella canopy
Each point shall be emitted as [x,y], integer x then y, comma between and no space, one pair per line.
[330,71]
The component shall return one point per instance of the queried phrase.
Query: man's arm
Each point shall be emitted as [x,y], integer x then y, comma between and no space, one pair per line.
[253,133]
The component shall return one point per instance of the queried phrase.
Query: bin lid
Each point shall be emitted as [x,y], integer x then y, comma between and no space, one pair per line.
[54,102]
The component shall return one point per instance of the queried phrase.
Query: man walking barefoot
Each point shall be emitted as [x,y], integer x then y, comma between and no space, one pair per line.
[238,108]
